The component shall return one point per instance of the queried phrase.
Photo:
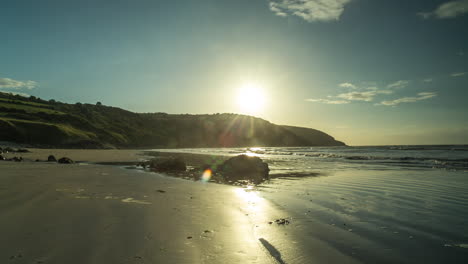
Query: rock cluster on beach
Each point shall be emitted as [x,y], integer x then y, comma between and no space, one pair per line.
[50,158]
[235,170]
[7,150]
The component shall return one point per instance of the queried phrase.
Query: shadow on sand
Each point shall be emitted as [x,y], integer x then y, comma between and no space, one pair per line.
[272,250]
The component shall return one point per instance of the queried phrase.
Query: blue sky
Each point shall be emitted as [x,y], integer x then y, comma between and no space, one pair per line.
[365,71]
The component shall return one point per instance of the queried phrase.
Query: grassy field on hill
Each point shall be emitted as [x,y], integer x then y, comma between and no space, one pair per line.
[54,124]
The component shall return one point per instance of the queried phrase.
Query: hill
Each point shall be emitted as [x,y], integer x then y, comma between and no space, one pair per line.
[54,124]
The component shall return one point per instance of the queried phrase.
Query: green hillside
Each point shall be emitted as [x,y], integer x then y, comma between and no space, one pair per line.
[54,124]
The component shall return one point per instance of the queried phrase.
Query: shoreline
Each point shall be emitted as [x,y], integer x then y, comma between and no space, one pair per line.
[90,213]
[54,213]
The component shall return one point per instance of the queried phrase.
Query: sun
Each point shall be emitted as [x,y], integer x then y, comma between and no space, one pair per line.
[251,98]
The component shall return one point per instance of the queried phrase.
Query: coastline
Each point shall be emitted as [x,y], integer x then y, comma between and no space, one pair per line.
[89,213]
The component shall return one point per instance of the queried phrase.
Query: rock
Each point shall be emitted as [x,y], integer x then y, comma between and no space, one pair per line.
[22,150]
[245,167]
[52,158]
[2,158]
[65,160]
[16,159]
[282,221]
[168,164]
[7,149]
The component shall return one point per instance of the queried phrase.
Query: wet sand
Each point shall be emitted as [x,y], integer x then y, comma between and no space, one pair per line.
[86,213]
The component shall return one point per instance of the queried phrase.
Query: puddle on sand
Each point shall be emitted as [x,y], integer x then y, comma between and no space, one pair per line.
[131,200]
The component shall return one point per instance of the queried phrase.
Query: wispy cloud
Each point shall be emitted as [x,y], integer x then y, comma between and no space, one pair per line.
[428,80]
[421,96]
[398,84]
[14,84]
[449,9]
[458,74]
[327,101]
[359,94]
[347,85]
[310,10]
[367,96]
[276,10]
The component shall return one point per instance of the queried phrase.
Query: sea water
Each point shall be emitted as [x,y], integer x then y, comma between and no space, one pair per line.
[395,204]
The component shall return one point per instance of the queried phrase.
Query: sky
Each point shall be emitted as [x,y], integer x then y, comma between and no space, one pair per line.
[368,72]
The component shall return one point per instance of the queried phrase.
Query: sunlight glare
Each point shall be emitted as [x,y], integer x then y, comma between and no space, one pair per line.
[251,99]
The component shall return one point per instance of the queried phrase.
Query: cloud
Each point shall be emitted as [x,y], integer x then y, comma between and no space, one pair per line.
[398,84]
[370,93]
[449,9]
[421,96]
[362,96]
[327,101]
[458,74]
[277,11]
[424,15]
[310,10]
[14,84]
[347,85]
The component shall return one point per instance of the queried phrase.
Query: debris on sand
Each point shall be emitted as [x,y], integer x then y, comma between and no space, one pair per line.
[282,221]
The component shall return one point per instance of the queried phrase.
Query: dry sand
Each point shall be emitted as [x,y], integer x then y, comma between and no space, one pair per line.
[85,213]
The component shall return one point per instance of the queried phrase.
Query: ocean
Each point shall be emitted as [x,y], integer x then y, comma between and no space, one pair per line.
[383,204]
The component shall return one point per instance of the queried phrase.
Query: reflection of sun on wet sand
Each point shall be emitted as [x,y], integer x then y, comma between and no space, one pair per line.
[55,213]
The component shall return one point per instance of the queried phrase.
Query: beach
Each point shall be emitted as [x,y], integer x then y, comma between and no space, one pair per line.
[88,213]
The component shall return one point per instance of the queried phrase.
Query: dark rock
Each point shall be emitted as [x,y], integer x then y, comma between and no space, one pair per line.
[245,167]
[168,164]
[7,149]
[282,221]
[22,150]
[16,159]
[52,158]
[65,160]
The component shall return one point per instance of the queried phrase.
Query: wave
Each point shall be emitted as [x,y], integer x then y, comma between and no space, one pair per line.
[445,157]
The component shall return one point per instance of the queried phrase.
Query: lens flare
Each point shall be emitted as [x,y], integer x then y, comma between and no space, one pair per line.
[206,176]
